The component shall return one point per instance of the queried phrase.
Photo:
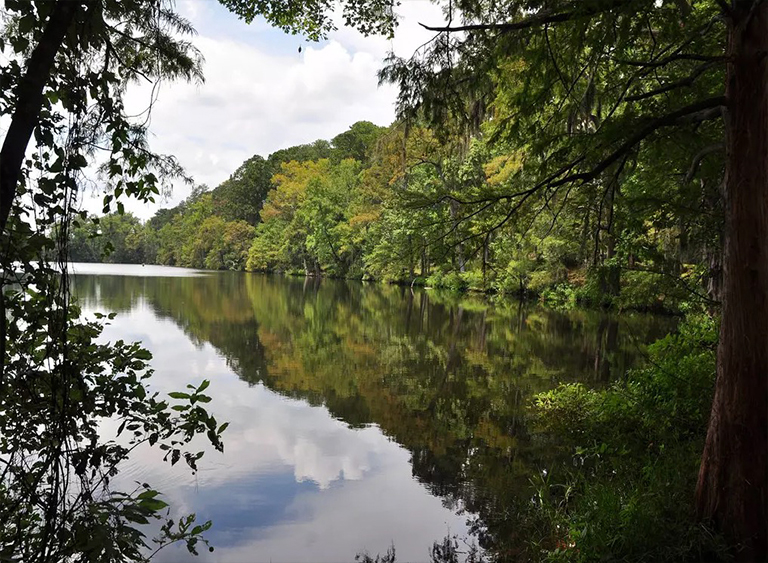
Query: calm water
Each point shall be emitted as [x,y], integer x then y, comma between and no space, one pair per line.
[360,415]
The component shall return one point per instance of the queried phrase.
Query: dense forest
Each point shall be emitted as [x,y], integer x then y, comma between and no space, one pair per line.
[374,203]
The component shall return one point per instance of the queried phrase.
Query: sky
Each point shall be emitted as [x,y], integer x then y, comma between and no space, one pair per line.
[261,94]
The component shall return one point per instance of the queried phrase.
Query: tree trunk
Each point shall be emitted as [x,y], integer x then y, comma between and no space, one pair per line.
[610,281]
[460,261]
[714,280]
[29,101]
[611,276]
[411,259]
[731,490]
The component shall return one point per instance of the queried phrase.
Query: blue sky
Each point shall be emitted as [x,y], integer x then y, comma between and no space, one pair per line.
[261,94]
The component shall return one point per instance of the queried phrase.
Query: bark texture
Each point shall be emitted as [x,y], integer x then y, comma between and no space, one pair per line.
[733,478]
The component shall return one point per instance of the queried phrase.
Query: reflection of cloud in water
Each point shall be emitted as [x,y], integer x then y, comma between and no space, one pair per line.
[294,484]
[266,430]
[318,447]
[365,515]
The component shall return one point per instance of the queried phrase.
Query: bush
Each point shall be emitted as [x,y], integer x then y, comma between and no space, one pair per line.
[561,296]
[451,280]
[473,279]
[647,290]
[636,449]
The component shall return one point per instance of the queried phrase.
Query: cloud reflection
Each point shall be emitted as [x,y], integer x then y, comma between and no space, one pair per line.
[294,484]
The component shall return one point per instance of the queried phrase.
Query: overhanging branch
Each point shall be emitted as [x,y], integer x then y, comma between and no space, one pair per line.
[566,174]
[544,17]
[699,111]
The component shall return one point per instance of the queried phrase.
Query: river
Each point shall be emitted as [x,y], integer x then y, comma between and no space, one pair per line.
[361,415]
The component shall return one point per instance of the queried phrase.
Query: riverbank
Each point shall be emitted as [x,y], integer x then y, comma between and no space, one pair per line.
[639,293]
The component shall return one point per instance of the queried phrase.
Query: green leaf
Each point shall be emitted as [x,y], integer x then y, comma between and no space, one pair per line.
[26,23]
[148,494]
[144,354]
[153,504]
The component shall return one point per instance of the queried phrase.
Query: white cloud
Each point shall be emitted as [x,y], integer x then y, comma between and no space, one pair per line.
[261,94]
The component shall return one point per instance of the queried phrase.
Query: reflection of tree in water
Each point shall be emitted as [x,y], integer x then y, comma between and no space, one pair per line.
[211,309]
[446,377]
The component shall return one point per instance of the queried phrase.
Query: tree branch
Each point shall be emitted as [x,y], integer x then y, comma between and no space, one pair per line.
[542,18]
[672,58]
[682,83]
[702,154]
[705,109]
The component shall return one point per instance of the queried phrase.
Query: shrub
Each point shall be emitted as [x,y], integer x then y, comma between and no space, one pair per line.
[636,449]
[561,296]
[451,280]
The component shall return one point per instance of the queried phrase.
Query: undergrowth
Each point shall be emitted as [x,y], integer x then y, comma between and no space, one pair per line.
[627,492]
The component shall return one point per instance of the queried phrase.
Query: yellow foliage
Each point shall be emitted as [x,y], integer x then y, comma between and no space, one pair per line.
[365,217]
[501,168]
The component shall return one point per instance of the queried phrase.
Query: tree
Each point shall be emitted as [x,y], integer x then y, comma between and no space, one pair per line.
[296,218]
[242,195]
[596,86]
[57,381]
[300,153]
[357,142]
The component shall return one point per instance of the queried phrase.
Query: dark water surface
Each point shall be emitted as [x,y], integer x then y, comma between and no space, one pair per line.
[360,414]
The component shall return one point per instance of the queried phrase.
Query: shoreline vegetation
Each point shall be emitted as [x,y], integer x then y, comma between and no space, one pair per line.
[356,208]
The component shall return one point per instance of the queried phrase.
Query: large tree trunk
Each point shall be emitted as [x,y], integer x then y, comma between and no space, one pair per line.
[731,489]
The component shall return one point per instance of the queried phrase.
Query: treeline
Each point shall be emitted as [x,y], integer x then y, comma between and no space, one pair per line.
[212,229]
[416,205]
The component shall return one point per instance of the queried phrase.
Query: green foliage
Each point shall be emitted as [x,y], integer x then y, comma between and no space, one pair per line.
[397,211]
[55,392]
[314,18]
[635,448]
[561,296]
[358,142]
[59,381]
[302,220]
[241,196]
[452,280]
[652,291]
[117,238]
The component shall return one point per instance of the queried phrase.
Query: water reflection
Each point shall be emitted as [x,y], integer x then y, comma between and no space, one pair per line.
[360,414]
